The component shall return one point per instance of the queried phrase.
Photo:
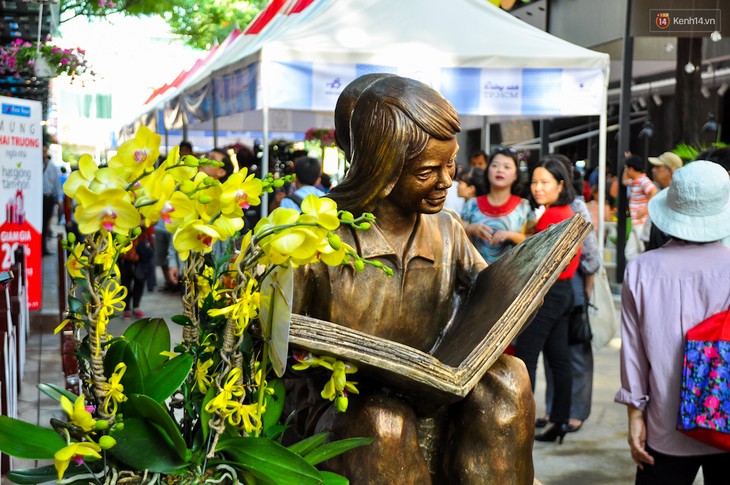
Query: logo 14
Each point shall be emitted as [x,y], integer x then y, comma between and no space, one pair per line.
[663,20]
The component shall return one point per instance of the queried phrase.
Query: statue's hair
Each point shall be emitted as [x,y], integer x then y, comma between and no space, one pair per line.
[346,103]
[392,122]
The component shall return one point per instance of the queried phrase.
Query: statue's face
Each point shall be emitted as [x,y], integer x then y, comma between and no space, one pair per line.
[423,184]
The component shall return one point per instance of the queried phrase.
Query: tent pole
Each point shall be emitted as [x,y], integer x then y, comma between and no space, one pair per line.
[215,113]
[265,144]
[602,136]
[486,135]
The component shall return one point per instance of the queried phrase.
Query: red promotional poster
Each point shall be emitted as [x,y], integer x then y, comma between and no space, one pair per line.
[21,181]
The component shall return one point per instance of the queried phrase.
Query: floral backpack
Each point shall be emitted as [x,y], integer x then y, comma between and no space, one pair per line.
[704,406]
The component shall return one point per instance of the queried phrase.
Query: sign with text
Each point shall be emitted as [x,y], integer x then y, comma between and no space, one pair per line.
[21,181]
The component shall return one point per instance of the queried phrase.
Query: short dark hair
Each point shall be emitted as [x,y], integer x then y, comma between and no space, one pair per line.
[227,163]
[558,170]
[307,170]
[635,162]
[475,177]
[479,153]
[186,144]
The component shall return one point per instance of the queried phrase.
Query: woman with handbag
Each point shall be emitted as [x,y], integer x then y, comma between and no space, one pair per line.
[552,189]
[665,293]
[579,328]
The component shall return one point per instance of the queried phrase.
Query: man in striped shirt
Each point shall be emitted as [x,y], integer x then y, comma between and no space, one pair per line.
[641,189]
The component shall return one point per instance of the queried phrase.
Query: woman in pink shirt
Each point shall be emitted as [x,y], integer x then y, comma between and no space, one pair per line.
[666,292]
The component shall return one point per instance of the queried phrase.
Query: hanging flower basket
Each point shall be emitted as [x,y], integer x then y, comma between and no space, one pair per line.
[22,58]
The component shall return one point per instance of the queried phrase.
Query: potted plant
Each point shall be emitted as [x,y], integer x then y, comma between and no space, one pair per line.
[209,409]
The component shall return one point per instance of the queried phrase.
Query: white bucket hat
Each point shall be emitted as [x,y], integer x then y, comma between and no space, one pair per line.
[696,205]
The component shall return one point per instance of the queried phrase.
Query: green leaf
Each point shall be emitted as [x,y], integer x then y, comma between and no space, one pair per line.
[303,447]
[122,351]
[142,445]
[274,403]
[163,382]
[267,459]
[330,450]
[329,478]
[76,306]
[153,337]
[181,320]
[55,392]
[44,474]
[139,406]
[28,441]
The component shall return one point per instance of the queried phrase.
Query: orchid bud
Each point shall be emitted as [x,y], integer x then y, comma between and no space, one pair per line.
[364,226]
[107,442]
[71,237]
[101,424]
[204,199]
[359,264]
[334,241]
[341,403]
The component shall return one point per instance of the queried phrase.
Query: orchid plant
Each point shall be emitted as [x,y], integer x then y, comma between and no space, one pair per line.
[209,409]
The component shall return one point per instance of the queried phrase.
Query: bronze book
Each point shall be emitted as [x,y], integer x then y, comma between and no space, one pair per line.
[504,298]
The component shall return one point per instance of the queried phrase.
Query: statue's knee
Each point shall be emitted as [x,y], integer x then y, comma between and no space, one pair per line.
[376,416]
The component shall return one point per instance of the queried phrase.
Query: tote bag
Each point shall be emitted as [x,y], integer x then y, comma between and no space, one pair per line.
[601,311]
[704,405]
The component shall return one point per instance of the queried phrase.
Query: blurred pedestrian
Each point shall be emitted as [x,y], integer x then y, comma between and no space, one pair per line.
[134,266]
[581,353]
[498,220]
[52,193]
[665,293]
[641,189]
[663,167]
[552,189]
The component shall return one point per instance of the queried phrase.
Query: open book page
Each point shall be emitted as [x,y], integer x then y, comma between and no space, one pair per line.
[504,298]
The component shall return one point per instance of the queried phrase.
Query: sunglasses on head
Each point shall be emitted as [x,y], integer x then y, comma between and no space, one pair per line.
[504,150]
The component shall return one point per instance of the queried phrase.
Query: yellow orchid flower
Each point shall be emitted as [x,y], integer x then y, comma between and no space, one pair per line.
[114,389]
[107,257]
[201,375]
[240,192]
[194,236]
[138,155]
[83,176]
[77,261]
[180,172]
[203,284]
[245,415]
[334,257]
[178,211]
[153,194]
[322,209]
[109,210]
[242,310]
[106,178]
[231,388]
[112,299]
[78,414]
[228,226]
[74,451]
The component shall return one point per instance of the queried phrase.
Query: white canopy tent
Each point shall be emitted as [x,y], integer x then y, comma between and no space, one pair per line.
[288,75]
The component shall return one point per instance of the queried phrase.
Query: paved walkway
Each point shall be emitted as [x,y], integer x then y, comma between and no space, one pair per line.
[596,455]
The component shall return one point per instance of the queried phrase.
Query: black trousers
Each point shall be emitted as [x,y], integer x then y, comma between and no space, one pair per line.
[135,286]
[548,333]
[682,470]
[49,202]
